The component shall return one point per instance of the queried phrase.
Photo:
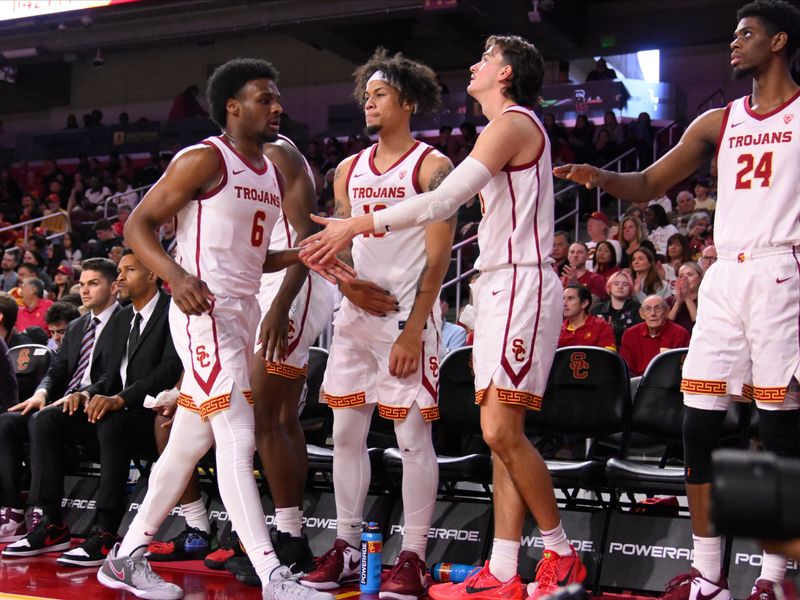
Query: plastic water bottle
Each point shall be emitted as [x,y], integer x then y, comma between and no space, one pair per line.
[371,549]
[451,572]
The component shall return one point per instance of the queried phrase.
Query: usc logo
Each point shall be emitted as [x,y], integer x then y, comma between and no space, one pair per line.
[23,360]
[518,348]
[433,362]
[202,356]
[291,328]
[579,366]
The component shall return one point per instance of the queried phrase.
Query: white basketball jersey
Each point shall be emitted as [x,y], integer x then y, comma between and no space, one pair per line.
[223,235]
[758,190]
[392,260]
[517,207]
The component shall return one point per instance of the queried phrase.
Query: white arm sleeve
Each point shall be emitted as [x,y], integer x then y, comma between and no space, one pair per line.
[466,180]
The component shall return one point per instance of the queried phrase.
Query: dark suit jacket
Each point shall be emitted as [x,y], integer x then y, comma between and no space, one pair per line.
[66,359]
[154,365]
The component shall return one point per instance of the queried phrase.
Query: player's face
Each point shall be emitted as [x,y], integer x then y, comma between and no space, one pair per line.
[96,290]
[577,255]
[750,48]
[382,107]
[133,279]
[572,303]
[486,72]
[260,109]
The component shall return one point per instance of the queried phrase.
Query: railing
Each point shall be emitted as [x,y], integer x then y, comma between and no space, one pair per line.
[25,226]
[616,165]
[668,130]
[708,103]
[115,198]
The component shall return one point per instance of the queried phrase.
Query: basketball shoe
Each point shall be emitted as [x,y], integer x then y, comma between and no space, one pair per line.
[12,525]
[92,552]
[480,585]
[554,571]
[339,565]
[135,575]
[42,538]
[764,589]
[407,580]
[282,585]
[230,548]
[693,584]
[189,544]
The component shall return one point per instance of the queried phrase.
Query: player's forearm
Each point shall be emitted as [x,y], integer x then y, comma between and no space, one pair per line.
[633,187]
[290,286]
[278,260]
[141,238]
[428,289]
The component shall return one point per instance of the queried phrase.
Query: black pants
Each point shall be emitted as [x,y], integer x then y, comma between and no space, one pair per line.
[118,437]
[14,434]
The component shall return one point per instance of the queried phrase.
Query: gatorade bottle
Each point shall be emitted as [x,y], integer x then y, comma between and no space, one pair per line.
[371,547]
[451,572]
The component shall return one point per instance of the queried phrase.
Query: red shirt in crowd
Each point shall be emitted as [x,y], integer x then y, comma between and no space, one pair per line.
[595,284]
[594,332]
[639,347]
[33,317]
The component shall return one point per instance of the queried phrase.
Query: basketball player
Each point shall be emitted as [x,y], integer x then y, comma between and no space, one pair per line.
[518,305]
[745,341]
[227,197]
[390,361]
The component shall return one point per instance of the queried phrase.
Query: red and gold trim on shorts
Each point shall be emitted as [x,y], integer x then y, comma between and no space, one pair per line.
[357,399]
[212,405]
[285,371]
[765,394]
[515,397]
[705,387]
[399,413]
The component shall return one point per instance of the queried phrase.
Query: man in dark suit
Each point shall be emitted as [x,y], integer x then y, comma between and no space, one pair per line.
[78,362]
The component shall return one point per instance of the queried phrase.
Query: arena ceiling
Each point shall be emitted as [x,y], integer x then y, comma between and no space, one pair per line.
[443,33]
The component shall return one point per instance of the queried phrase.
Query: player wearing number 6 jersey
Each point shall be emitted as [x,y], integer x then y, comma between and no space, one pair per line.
[226,196]
[389,360]
[745,341]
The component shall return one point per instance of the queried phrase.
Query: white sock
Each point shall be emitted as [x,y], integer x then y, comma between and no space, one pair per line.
[504,559]
[556,540]
[415,539]
[349,530]
[773,567]
[196,516]
[708,556]
[289,520]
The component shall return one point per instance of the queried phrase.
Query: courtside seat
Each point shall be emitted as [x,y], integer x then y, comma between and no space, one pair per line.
[587,395]
[31,362]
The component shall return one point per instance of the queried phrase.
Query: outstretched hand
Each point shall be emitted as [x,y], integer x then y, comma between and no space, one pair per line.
[322,247]
[585,175]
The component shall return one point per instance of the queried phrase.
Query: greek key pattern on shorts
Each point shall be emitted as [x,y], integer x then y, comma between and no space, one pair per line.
[395,413]
[357,399]
[518,397]
[185,400]
[285,371]
[702,386]
[430,413]
[747,391]
[214,405]
[769,394]
[248,395]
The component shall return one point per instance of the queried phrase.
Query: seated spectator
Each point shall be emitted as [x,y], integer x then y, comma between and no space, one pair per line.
[63,281]
[601,71]
[34,304]
[683,304]
[615,131]
[35,259]
[560,252]
[678,251]
[576,271]
[8,239]
[685,210]
[632,235]
[8,381]
[597,226]
[708,257]
[700,234]
[168,237]
[646,280]
[663,201]
[453,336]
[621,310]
[71,243]
[579,327]
[56,257]
[8,279]
[659,227]
[9,310]
[106,239]
[186,106]
[605,260]
[643,342]
[702,201]
[96,194]
[124,194]
[605,148]
[115,253]
[58,220]
[59,315]
[580,139]
[30,208]
[126,169]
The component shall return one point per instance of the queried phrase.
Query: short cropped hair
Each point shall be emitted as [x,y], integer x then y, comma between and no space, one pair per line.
[776,16]
[584,295]
[36,283]
[8,309]
[227,82]
[105,266]
[527,67]
[61,311]
[416,82]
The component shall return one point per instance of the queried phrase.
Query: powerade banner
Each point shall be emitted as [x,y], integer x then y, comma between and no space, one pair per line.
[459,533]
[79,503]
[745,567]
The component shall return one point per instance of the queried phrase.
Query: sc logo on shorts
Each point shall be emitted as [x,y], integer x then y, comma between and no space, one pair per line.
[202,356]
[518,348]
[579,365]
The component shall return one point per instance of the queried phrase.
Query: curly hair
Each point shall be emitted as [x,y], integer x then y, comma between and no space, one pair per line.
[527,67]
[416,82]
[227,81]
[776,16]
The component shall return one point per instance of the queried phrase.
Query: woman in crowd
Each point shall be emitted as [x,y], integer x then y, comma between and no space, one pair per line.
[683,305]
[632,235]
[699,233]
[72,248]
[647,280]
[659,227]
[605,260]
[622,309]
[63,280]
[678,251]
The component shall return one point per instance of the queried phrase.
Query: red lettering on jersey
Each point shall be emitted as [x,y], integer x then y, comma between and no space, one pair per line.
[391,192]
[518,348]
[773,137]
